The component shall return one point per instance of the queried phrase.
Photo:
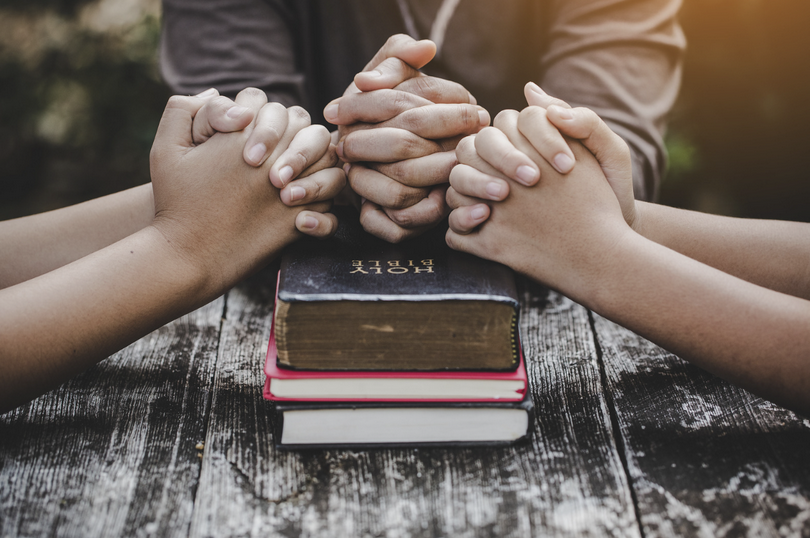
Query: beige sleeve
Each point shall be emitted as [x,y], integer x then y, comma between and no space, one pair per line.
[621,58]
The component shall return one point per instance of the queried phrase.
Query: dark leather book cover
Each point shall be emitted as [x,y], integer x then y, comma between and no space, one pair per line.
[356,266]
[524,405]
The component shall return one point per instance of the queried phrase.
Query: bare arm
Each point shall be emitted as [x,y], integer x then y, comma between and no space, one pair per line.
[571,232]
[754,337]
[772,254]
[60,323]
[215,220]
[37,244]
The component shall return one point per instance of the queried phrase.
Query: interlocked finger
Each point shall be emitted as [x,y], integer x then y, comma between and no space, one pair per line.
[219,114]
[441,121]
[383,190]
[533,123]
[321,186]
[427,212]
[371,107]
[426,171]
[306,148]
[312,223]
[472,182]
[269,127]
[495,147]
[385,145]
[436,90]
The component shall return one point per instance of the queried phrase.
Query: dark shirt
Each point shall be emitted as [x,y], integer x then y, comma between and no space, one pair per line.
[621,58]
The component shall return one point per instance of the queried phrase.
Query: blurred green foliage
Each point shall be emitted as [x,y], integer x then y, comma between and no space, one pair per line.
[81,97]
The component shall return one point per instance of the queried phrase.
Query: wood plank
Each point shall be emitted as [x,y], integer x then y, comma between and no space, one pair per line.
[112,452]
[705,457]
[568,480]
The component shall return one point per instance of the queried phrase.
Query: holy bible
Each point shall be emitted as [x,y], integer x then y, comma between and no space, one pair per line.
[356,302]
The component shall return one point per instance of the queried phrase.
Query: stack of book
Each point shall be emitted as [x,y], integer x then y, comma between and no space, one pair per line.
[376,344]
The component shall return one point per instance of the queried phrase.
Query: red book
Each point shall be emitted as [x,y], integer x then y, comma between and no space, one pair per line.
[391,386]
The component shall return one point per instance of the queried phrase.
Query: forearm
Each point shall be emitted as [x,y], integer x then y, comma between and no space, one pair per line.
[769,253]
[58,324]
[37,244]
[752,336]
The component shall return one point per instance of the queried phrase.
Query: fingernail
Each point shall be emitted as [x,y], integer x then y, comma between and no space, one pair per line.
[494,189]
[310,222]
[536,89]
[339,149]
[347,167]
[210,92]
[563,163]
[562,113]
[296,193]
[483,117]
[527,174]
[256,153]
[478,213]
[285,174]
[331,112]
[235,111]
[374,74]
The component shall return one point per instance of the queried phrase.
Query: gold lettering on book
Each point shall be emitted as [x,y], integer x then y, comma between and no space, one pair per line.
[394,267]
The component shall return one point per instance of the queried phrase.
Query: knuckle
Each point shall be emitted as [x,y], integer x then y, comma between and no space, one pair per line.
[466,146]
[253,93]
[396,235]
[400,199]
[485,136]
[402,101]
[178,101]
[434,213]
[299,114]
[410,120]
[469,117]
[505,118]
[267,134]
[397,39]
[298,159]
[406,146]
[220,103]
[428,86]
[403,218]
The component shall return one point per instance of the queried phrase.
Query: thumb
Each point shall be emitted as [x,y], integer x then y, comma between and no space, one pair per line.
[387,75]
[610,150]
[175,128]
[415,53]
[535,96]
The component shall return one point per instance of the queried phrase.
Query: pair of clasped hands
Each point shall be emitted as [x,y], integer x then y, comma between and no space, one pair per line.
[413,148]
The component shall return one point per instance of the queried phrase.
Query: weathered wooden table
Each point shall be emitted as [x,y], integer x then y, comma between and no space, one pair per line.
[171,437]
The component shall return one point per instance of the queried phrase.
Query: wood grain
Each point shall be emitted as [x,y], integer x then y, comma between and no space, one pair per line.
[705,458]
[112,452]
[567,480]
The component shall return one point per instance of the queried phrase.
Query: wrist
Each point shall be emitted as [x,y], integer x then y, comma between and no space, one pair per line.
[637,218]
[197,278]
[618,268]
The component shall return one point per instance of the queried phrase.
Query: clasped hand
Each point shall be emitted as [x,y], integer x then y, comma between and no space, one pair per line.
[397,134]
